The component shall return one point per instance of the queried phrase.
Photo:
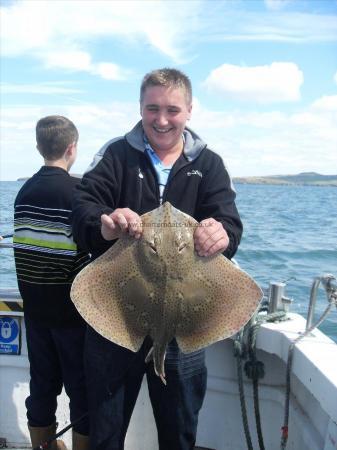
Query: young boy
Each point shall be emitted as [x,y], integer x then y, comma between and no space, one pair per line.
[47,260]
[159,160]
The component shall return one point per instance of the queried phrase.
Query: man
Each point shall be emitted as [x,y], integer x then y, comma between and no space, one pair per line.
[159,160]
[47,260]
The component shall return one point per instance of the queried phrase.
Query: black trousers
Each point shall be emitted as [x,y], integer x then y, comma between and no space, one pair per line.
[56,360]
[114,376]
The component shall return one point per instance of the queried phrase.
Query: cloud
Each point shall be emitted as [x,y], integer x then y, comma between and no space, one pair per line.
[110,71]
[327,103]
[56,36]
[39,88]
[96,125]
[278,82]
[274,142]
[72,60]
[270,26]
[276,5]
[81,61]
[44,30]
[250,142]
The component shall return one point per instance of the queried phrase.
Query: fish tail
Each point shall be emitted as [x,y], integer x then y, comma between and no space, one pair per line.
[158,360]
[149,356]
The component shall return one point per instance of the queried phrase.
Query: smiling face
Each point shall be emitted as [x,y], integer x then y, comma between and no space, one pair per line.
[165,111]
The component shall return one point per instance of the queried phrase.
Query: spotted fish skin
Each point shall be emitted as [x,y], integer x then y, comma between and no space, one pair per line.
[158,286]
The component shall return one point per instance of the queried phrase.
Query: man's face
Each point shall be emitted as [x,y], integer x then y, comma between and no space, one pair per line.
[164,112]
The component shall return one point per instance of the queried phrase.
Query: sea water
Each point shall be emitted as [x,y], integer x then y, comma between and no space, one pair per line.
[290,235]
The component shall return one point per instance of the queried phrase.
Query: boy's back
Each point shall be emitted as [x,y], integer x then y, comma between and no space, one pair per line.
[47,261]
[45,254]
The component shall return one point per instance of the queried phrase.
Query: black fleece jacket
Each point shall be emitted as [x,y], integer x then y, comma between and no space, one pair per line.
[122,176]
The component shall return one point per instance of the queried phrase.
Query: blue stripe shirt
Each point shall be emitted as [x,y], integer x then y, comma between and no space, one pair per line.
[162,171]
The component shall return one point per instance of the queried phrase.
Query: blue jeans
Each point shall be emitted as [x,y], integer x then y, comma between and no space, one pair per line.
[114,376]
[56,359]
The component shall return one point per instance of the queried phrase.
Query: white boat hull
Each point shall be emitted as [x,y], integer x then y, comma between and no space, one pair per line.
[313,405]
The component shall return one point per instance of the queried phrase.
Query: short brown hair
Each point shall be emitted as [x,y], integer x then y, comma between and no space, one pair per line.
[53,135]
[169,78]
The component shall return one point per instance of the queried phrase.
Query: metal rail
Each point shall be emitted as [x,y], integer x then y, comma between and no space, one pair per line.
[6,244]
[277,300]
[329,284]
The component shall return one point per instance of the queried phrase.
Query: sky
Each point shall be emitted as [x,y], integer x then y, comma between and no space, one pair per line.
[264,76]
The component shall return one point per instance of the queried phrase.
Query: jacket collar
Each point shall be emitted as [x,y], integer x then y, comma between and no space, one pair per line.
[192,148]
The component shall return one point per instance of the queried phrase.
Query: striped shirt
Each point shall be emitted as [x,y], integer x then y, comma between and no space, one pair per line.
[45,250]
[46,256]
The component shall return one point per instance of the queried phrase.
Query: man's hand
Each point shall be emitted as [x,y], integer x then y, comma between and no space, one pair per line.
[121,221]
[210,237]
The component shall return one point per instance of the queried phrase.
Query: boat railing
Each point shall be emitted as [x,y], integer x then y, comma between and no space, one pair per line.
[329,284]
[6,245]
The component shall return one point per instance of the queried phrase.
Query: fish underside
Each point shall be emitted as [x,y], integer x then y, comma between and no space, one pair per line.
[158,286]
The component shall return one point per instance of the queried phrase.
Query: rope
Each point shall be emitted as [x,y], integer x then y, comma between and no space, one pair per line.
[285,427]
[239,354]
[257,413]
[254,369]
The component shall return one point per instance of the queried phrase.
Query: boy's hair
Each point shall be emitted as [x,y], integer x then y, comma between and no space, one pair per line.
[169,78]
[53,135]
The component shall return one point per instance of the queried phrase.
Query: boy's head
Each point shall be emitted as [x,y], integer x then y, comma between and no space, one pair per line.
[166,77]
[54,134]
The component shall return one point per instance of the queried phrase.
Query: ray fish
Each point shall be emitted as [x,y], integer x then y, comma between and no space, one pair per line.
[158,286]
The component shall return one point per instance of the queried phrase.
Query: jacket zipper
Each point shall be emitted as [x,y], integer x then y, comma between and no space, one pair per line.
[156,178]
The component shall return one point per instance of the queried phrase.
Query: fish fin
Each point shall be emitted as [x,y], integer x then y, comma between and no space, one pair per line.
[216,301]
[112,296]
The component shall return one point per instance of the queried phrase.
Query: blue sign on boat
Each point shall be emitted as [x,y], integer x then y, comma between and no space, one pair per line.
[9,335]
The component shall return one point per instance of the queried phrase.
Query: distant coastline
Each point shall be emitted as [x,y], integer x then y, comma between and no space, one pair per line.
[77,175]
[301,179]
